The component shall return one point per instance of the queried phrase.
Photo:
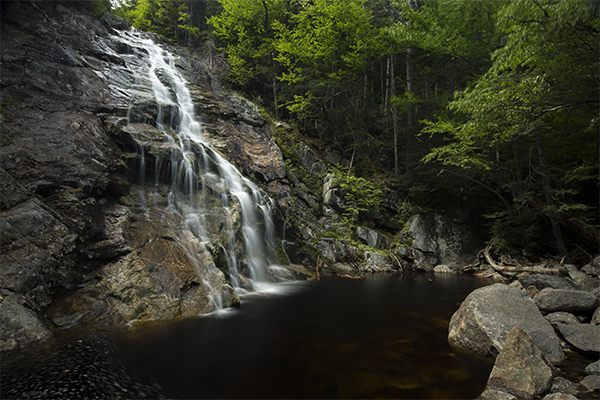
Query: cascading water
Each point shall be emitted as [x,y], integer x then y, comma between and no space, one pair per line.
[195,167]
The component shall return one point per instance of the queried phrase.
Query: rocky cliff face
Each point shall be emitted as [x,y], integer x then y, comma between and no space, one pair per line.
[87,236]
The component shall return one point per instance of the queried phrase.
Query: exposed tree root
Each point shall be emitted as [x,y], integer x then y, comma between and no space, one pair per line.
[516,267]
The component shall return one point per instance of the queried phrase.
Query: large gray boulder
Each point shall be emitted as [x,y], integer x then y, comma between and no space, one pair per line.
[574,301]
[484,319]
[520,368]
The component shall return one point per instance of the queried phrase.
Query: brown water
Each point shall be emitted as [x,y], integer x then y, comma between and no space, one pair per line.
[381,337]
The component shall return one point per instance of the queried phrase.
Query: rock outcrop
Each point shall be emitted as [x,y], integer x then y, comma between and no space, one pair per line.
[87,234]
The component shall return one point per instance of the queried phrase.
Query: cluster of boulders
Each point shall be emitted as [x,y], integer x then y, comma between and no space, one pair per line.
[542,330]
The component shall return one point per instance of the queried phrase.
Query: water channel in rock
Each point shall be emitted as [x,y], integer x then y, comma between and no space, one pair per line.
[381,337]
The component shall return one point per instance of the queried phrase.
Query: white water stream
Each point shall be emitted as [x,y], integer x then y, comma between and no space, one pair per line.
[195,165]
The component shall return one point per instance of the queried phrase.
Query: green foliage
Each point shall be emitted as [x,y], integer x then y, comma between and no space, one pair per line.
[169,18]
[539,98]
[361,195]
[247,33]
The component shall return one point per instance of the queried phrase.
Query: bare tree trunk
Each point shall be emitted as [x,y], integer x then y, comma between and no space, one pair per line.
[551,207]
[410,116]
[449,112]
[394,115]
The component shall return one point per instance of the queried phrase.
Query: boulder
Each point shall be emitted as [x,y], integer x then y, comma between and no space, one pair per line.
[583,280]
[487,315]
[575,301]
[333,195]
[333,251]
[340,268]
[424,261]
[290,272]
[583,337]
[112,21]
[559,396]
[520,368]
[590,383]
[562,385]
[542,281]
[492,394]
[377,262]
[561,317]
[19,326]
[443,269]
[593,368]
[596,317]
[592,268]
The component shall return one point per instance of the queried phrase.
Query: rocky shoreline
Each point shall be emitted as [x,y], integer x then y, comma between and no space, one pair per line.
[541,330]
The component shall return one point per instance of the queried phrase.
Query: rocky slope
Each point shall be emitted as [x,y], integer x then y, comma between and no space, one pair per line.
[86,234]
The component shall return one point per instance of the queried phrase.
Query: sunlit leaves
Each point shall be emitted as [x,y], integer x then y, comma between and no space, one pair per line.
[247,31]
[537,73]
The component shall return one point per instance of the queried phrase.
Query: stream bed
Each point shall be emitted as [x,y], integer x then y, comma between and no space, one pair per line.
[384,336]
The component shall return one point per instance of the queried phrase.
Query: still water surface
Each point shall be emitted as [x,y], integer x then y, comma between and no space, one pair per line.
[380,337]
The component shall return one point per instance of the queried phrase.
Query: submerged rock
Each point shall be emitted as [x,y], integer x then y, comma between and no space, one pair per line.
[488,314]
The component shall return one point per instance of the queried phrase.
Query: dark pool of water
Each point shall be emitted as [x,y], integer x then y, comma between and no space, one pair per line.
[380,337]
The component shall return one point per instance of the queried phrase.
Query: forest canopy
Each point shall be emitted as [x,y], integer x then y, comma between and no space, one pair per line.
[487,99]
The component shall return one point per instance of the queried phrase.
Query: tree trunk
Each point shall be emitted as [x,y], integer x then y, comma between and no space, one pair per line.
[394,116]
[449,112]
[550,206]
[410,117]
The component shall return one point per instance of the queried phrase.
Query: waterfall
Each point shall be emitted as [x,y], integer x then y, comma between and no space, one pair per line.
[196,169]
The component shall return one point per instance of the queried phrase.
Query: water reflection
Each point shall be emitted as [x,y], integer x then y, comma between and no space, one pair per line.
[382,337]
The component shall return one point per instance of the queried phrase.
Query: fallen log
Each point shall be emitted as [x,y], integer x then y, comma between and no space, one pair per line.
[350,276]
[536,269]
